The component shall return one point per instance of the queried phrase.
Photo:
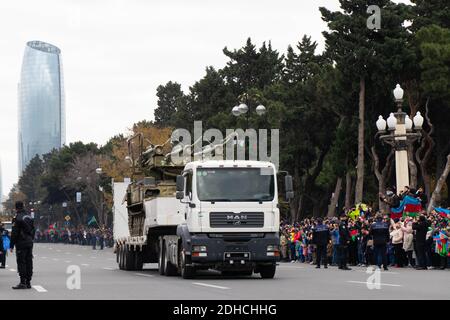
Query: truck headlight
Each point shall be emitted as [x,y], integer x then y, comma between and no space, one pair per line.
[273,250]
[199,249]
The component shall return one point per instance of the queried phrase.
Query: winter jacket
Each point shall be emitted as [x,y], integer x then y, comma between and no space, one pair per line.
[23,231]
[379,231]
[321,235]
[421,229]
[397,236]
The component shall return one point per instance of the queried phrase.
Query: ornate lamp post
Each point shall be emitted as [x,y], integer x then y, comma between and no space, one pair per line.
[243,108]
[399,135]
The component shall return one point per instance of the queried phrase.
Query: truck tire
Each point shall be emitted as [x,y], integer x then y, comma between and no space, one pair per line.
[118,258]
[138,260]
[187,272]
[169,269]
[129,259]
[267,272]
[161,258]
[121,258]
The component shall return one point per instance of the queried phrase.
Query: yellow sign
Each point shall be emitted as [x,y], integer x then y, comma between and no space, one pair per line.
[67,218]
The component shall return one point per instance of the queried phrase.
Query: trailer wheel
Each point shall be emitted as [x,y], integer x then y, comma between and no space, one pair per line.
[267,272]
[187,272]
[169,268]
[161,257]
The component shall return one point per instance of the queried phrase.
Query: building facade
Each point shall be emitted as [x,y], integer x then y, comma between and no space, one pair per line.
[42,125]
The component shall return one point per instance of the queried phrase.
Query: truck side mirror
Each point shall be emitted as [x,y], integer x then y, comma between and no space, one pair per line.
[289,186]
[180,187]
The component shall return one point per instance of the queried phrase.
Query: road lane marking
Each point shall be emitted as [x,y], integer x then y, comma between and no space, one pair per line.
[85,264]
[68,261]
[55,259]
[210,285]
[12,269]
[144,275]
[93,257]
[39,289]
[381,284]
[78,255]
[108,268]
[58,250]
[67,252]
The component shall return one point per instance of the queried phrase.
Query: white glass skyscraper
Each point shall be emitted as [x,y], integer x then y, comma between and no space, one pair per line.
[41,98]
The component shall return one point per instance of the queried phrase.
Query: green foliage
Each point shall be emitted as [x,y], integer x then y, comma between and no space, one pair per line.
[434,44]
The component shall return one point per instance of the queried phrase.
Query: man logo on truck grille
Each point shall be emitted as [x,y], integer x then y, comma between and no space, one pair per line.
[236,218]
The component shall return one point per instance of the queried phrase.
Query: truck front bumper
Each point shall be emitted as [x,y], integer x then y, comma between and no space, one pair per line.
[228,251]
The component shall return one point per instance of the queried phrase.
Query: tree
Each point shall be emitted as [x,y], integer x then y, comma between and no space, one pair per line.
[171,103]
[30,182]
[365,54]
[249,68]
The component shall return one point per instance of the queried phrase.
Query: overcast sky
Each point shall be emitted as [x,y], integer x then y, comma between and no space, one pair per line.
[116,52]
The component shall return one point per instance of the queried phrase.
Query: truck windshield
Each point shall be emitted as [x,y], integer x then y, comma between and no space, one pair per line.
[235,184]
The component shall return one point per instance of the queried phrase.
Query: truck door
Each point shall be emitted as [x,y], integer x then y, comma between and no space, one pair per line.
[188,198]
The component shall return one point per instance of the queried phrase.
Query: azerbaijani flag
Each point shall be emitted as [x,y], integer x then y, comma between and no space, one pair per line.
[444,213]
[92,221]
[397,213]
[354,234]
[442,244]
[412,206]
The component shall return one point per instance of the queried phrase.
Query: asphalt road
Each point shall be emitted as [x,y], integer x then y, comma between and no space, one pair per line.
[101,279]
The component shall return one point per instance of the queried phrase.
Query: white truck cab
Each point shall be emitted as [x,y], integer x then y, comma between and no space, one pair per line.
[217,214]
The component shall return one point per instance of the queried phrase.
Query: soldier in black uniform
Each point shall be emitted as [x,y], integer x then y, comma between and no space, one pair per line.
[22,236]
[379,231]
[344,240]
[321,237]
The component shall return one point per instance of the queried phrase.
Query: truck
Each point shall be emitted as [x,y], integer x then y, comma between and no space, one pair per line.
[209,214]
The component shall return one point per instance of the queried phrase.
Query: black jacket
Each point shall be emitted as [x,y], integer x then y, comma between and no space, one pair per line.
[22,233]
[344,234]
[421,229]
[1,239]
[379,231]
[423,199]
[321,235]
[393,201]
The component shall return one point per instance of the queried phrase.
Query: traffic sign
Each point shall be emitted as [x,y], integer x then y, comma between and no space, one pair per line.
[67,218]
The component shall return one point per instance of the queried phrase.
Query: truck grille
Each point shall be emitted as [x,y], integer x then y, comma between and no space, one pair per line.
[236,220]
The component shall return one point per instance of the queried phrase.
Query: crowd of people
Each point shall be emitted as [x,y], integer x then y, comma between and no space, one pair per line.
[398,239]
[100,237]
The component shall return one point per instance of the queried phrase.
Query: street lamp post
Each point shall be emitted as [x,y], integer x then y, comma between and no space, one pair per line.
[243,108]
[400,135]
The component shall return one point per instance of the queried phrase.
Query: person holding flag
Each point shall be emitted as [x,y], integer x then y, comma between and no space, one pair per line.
[442,246]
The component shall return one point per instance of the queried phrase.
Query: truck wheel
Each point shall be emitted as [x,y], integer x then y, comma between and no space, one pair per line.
[169,268]
[161,258]
[267,272]
[118,258]
[129,259]
[187,272]
[121,258]
[138,260]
